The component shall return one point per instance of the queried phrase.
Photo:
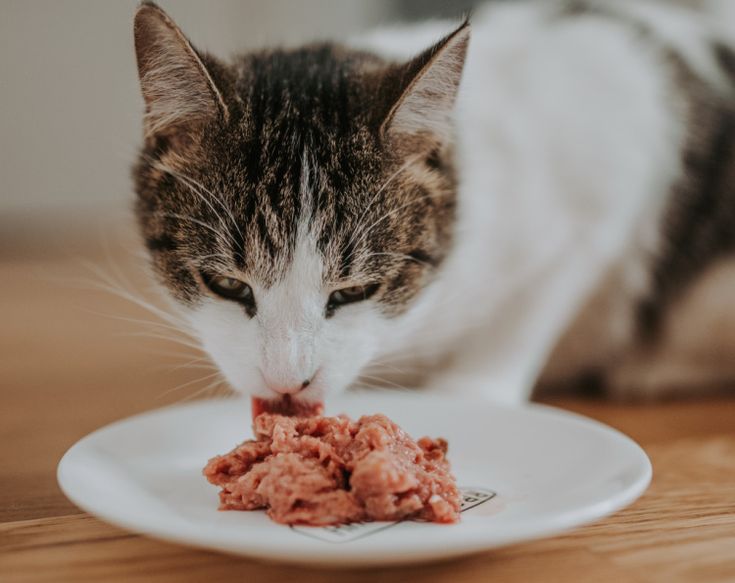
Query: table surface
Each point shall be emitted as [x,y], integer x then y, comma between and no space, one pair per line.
[72,358]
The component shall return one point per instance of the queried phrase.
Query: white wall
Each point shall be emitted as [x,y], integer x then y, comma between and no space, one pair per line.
[69,103]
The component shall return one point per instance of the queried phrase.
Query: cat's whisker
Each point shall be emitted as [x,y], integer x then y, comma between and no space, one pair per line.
[200,362]
[182,361]
[136,321]
[189,383]
[225,392]
[211,388]
[210,228]
[377,364]
[222,234]
[195,187]
[222,390]
[117,276]
[215,198]
[403,256]
[224,257]
[410,161]
[114,287]
[390,359]
[176,356]
[197,367]
[163,337]
[365,232]
[360,384]
[168,327]
[176,333]
[384,382]
[189,182]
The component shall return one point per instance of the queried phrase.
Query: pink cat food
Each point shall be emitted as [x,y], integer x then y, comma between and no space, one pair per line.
[332,470]
[286,406]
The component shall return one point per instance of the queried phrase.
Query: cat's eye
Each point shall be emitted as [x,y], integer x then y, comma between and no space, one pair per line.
[350,295]
[230,288]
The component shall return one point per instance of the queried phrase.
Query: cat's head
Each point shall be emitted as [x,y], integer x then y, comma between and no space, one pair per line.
[296,203]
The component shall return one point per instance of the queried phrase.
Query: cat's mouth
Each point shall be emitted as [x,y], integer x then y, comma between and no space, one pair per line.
[286,405]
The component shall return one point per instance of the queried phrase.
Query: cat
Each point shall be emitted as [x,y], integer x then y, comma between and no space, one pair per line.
[528,198]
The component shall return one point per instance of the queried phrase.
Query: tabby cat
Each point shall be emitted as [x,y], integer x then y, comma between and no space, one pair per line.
[542,193]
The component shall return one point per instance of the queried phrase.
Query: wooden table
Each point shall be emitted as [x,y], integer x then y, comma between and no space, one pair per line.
[68,365]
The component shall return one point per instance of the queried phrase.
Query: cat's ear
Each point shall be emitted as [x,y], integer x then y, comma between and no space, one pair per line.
[178,89]
[430,83]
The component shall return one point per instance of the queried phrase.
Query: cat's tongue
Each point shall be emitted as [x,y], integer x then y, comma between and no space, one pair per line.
[286,405]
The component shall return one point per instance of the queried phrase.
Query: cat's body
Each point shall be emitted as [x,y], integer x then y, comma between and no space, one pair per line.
[568,193]
[576,128]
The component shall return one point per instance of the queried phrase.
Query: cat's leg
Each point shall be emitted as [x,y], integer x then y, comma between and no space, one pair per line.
[695,351]
[474,374]
[644,378]
[503,359]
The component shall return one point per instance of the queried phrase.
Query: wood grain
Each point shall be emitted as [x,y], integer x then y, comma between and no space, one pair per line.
[68,365]
[683,529]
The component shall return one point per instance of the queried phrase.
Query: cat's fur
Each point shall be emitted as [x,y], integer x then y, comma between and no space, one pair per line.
[570,154]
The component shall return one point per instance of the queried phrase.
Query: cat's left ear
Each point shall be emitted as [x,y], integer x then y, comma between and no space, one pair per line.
[177,87]
[430,83]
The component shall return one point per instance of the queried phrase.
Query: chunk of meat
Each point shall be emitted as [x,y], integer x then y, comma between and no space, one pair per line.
[286,405]
[332,470]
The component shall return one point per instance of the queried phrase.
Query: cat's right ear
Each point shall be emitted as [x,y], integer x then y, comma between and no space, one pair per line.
[178,90]
[428,89]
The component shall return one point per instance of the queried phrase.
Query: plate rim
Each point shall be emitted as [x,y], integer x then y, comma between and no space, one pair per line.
[308,554]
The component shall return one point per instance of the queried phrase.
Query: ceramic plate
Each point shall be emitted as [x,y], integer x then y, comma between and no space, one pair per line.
[524,473]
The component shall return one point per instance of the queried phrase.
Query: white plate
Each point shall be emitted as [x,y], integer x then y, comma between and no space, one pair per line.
[526,472]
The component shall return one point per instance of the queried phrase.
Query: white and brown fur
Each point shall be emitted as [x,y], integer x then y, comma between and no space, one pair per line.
[548,199]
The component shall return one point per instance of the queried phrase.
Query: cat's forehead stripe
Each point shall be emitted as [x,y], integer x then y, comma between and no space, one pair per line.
[300,157]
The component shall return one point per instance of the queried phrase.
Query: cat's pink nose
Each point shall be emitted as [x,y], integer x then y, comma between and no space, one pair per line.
[282,389]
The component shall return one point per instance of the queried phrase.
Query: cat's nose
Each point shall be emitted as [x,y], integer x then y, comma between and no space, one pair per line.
[291,389]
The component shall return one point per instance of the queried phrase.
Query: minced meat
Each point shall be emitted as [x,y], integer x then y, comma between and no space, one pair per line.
[332,470]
